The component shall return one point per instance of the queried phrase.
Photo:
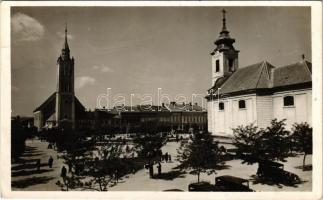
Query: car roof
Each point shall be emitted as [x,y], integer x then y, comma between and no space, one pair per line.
[272,163]
[232,179]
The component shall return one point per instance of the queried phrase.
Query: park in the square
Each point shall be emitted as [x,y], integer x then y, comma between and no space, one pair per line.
[271,159]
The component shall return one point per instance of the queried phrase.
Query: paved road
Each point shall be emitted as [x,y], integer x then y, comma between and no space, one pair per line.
[24,175]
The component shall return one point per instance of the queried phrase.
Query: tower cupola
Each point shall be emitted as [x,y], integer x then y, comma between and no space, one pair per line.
[224,56]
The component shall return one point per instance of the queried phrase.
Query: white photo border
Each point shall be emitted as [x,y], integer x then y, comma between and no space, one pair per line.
[5,106]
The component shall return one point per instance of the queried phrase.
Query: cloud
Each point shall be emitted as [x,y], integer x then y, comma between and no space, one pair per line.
[62,35]
[83,81]
[26,28]
[102,68]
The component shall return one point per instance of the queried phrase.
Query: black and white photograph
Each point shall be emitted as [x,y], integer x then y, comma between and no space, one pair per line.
[163,99]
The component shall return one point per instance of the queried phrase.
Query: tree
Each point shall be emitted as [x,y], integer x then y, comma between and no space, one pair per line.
[303,139]
[247,139]
[271,143]
[149,145]
[201,154]
[276,141]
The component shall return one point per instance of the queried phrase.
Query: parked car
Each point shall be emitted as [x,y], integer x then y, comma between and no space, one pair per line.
[173,190]
[201,187]
[275,172]
[231,183]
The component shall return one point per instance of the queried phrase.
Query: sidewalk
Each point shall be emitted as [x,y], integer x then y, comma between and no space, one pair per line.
[24,175]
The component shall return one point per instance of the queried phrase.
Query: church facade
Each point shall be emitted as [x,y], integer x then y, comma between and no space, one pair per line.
[62,107]
[257,93]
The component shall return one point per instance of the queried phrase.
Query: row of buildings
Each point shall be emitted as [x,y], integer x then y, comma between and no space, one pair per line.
[62,109]
[239,95]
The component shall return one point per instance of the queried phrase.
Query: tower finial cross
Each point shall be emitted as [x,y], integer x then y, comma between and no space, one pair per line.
[224,28]
[223,11]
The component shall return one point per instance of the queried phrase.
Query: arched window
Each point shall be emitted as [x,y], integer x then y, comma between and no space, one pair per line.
[217,66]
[242,104]
[221,106]
[288,101]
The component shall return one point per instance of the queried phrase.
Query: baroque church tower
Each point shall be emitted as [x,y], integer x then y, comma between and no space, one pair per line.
[65,98]
[224,56]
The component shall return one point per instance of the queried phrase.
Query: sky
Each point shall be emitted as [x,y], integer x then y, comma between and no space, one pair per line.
[136,50]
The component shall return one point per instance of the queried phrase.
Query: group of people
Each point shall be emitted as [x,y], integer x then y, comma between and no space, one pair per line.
[165,157]
[50,163]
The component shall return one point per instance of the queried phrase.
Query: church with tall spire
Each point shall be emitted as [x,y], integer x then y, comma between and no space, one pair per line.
[257,93]
[65,101]
[60,109]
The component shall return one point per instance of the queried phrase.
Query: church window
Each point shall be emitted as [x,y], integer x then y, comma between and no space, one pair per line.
[231,65]
[242,104]
[217,66]
[288,101]
[221,106]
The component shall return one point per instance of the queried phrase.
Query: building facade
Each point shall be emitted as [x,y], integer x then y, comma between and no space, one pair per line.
[257,93]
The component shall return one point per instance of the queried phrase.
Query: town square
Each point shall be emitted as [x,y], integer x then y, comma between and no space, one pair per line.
[167,99]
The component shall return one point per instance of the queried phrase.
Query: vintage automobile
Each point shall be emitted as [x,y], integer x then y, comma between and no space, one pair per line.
[222,184]
[173,190]
[275,172]
[231,184]
[201,187]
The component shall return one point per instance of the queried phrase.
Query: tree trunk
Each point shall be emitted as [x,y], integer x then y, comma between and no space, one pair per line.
[304,161]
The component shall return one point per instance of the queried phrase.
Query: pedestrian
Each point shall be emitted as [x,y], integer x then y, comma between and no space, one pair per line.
[166,157]
[151,170]
[63,172]
[170,158]
[69,167]
[50,161]
[159,169]
[38,164]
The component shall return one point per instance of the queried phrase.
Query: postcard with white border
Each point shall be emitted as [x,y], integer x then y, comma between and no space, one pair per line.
[167,100]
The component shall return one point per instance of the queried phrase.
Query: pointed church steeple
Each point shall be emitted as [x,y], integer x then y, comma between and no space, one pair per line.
[65,49]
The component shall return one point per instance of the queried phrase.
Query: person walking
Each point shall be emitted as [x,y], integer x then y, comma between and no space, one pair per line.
[151,170]
[38,164]
[169,158]
[50,161]
[69,167]
[159,169]
[63,172]
[166,157]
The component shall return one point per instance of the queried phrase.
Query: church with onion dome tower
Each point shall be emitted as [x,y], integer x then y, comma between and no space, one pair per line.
[255,94]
